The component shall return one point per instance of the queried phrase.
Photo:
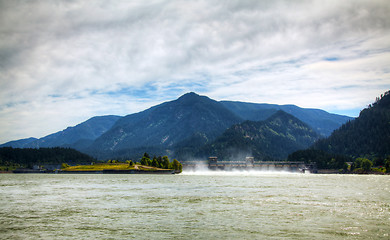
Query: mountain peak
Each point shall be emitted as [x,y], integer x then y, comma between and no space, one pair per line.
[192,98]
[164,126]
[280,114]
[189,96]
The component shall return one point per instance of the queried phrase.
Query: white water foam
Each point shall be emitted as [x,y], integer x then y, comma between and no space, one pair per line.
[205,172]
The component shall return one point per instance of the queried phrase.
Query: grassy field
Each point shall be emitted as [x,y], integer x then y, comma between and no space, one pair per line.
[110,166]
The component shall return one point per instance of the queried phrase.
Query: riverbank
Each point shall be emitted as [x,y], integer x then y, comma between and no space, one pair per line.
[134,171]
[335,171]
[100,168]
[121,168]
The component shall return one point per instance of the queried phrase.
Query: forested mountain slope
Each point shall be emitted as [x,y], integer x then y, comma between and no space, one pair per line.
[271,139]
[368,135]
[321,121]
[165,125]
[178,128]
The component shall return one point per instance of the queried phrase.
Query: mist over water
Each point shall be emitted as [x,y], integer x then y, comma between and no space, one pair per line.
[195,205]
[235,172]
[202,168]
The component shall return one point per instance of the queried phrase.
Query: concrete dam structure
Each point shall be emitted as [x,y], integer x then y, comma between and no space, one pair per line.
[250,164]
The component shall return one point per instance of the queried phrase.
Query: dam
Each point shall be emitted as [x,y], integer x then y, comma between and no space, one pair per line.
[249,163]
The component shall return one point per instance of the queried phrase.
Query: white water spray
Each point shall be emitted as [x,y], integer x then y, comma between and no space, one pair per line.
[207,172]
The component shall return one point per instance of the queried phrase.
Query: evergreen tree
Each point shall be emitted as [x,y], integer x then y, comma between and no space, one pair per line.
[154,162]
[177,166]
[366,165]
[165,163]
[145,160]
[159,162]
[131,163]
[146,155]
[345,167]
[387,164]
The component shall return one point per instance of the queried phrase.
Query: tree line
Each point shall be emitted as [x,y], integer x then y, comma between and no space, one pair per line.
[161,162]
[28,157]
[345,164]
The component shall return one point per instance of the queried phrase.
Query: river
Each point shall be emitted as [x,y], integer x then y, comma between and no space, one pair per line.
[194,205]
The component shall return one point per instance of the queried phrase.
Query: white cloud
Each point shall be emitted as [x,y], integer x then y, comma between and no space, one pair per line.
[115,57]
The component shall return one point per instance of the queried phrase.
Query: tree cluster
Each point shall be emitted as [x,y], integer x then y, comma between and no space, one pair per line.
[362,163]
[323,159]
[161,162]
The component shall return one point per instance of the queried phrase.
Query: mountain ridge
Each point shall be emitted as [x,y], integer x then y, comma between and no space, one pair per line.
[166,124]
[184,124]
[366,136]
[320,120]
[271,139]
[72,137]
[21,143]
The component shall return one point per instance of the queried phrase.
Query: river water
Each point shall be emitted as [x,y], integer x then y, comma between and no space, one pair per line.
[199,205]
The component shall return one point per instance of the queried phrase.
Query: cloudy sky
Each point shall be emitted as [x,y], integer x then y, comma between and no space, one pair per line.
[62,62]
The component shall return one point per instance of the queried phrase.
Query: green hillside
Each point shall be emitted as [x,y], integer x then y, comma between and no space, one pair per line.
[366,136]
[271,139]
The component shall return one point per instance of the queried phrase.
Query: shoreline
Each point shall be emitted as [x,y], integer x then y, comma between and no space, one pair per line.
[162,172]
[108,171]
[334,171]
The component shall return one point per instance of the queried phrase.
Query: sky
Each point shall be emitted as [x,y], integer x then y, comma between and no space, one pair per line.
[62,62]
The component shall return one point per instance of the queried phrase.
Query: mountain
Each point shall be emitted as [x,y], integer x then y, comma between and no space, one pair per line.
[177,128]
[78,137]
[22,143]
[366,136]
[274,138]
[162,127]
[321,121]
